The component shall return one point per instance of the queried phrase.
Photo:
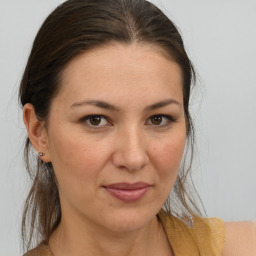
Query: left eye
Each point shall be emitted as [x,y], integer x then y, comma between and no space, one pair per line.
[95,120]
[160,120]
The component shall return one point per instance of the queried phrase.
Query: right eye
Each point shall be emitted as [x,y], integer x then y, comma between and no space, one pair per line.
[95,121]
[161,120]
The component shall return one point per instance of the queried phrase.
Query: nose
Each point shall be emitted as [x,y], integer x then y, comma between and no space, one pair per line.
[130,150]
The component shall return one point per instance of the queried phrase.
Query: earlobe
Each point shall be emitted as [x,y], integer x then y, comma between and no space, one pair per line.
[36,132]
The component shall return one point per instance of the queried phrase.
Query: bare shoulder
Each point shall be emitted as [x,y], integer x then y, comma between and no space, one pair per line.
[240,239]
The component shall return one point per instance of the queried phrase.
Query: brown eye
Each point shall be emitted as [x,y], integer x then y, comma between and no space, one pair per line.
[95,120]
[160,120]
[156,120]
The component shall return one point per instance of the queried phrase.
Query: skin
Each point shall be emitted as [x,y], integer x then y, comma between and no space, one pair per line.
[126,146]
[240,239]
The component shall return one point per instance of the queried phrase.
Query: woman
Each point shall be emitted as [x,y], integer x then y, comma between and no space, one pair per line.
[105,98]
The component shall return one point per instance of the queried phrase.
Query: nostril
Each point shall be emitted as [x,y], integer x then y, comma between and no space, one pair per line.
[130,162]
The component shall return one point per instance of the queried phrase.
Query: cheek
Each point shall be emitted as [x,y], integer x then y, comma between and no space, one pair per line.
[76,157]
[77,164]
[168,155]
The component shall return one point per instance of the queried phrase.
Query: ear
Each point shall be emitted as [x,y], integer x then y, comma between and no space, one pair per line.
[37,132]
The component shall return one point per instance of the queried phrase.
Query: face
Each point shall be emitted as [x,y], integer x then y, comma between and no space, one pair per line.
[116,135]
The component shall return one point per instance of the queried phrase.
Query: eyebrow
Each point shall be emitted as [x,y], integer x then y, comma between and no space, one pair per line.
[108,106]
[163,103]
[97,103]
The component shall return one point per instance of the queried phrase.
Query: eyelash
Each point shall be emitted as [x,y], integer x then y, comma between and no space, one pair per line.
[86,118]
[170,119]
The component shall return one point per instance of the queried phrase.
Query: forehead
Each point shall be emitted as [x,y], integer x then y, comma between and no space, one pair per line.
[121,70]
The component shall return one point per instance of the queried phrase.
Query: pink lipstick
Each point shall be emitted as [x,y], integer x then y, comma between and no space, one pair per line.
[127,192]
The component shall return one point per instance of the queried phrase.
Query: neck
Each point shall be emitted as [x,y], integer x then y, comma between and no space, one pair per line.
[75,239]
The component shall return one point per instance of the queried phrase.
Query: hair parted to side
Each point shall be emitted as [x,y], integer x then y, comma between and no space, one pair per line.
[75,27]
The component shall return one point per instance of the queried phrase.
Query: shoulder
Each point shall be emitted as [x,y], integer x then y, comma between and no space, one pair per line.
[240,239]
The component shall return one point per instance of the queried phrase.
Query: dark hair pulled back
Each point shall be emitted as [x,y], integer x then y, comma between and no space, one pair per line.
[75,27]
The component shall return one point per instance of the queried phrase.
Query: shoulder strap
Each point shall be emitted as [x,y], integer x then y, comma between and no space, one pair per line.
[206,237]
[41,250]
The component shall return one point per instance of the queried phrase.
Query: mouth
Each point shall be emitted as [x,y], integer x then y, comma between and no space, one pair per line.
[127,192]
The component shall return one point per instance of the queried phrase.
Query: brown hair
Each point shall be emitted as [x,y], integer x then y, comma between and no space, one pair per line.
[71,29]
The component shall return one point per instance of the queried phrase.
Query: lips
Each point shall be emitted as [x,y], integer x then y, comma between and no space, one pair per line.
[128,192]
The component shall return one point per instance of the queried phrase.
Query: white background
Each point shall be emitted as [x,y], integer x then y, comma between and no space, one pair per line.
[220,37]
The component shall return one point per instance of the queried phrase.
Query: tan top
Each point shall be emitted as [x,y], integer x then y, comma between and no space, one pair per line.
[206,238]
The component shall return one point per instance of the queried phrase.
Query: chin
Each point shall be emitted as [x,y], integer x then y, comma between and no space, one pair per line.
[128,220]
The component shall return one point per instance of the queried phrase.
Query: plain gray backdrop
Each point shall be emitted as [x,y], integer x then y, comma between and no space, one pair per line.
[220,38]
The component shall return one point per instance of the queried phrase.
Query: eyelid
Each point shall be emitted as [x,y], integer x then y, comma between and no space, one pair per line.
[170,119]
[85,118]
